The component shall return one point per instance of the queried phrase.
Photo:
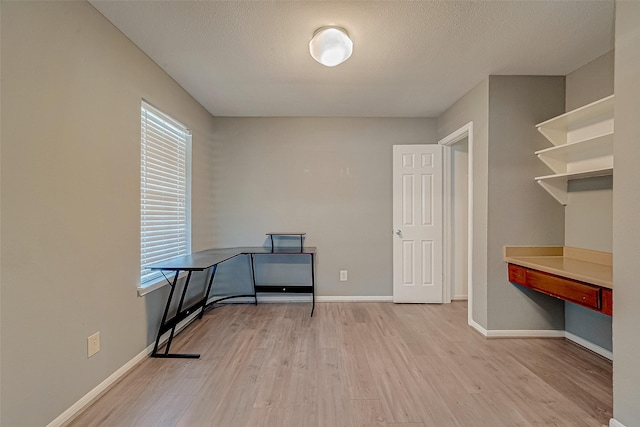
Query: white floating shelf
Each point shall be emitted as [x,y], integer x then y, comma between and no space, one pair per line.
[577,175]
[582,146]
[582,123]
[556,184]
[589,154]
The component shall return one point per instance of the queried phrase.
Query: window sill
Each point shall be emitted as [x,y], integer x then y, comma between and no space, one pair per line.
[160,283]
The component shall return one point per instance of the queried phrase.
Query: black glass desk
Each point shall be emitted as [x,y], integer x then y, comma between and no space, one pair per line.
[300,235]
[211,258]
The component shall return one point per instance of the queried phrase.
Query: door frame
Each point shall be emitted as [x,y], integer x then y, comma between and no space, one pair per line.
[447,142]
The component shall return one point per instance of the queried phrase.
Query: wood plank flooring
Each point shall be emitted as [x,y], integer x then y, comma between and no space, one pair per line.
[356,365]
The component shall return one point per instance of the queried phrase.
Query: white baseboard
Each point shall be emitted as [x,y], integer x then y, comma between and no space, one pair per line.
[589,345]
[286,298]
[543,334]
[615,423]
[460,298]
[525,333]
[354,298]
[477,327]
[267,299]
[516,333]
[86,400]
[283,298]
[94,394]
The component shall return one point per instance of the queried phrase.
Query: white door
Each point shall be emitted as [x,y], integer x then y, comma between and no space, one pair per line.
[417,223]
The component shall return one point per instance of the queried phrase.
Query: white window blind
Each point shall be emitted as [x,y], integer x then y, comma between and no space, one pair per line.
[164,210]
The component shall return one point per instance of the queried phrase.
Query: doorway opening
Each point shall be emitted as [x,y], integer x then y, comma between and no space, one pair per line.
[458,216]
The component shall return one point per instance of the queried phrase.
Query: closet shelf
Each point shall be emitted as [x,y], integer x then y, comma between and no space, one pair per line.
[568,127]
[577,175]
[582,146]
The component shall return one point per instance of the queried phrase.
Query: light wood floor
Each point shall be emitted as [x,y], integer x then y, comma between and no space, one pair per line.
[358,364]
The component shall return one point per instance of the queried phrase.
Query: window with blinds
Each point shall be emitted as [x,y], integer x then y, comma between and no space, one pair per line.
[165,230]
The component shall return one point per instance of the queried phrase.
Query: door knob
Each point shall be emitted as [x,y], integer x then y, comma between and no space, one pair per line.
[398,232]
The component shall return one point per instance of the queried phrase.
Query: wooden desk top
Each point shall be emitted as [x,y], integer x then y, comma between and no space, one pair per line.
[585,265]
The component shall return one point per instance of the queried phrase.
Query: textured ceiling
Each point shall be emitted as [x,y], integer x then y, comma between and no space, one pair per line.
[410,59]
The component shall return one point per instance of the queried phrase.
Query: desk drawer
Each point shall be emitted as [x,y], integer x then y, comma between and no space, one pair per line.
[607,302]
[284,289]
[517,274]
[570,290]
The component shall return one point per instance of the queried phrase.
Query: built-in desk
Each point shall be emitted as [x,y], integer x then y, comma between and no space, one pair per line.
[581,276]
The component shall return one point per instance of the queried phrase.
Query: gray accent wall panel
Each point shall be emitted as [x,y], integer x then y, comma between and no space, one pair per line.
[520,211]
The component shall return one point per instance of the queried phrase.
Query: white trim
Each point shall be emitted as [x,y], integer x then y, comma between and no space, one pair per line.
[477,327]
[289,298]
[517,333]
[173,122]
[525,333]
[460,298]
[270,298]
[615,423]
[98,391]
[447,192]
[457,135]
[545,333]
[350,298]
[74,410]
[589,345]
[160,283]
[143,290]
[465,131]
[267,299]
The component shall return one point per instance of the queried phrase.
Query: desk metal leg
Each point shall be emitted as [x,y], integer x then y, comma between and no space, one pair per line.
[313,287]
[173,329]
[206,295]
[253,279]
[171,324]
[166,312]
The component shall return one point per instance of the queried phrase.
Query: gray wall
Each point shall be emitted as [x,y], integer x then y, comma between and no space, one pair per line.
[591,82]
[507,203]
[626,204]
[520,211]
[474,107]
[589,210]
[70,96]
[328,177]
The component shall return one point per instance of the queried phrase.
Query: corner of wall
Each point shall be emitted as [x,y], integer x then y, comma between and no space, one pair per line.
[515,200]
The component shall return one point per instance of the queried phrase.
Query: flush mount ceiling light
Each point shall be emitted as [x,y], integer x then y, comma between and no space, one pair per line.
[330,46]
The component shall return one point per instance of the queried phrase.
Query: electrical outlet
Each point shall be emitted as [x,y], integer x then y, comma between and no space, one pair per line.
[93,344]
[343,275]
